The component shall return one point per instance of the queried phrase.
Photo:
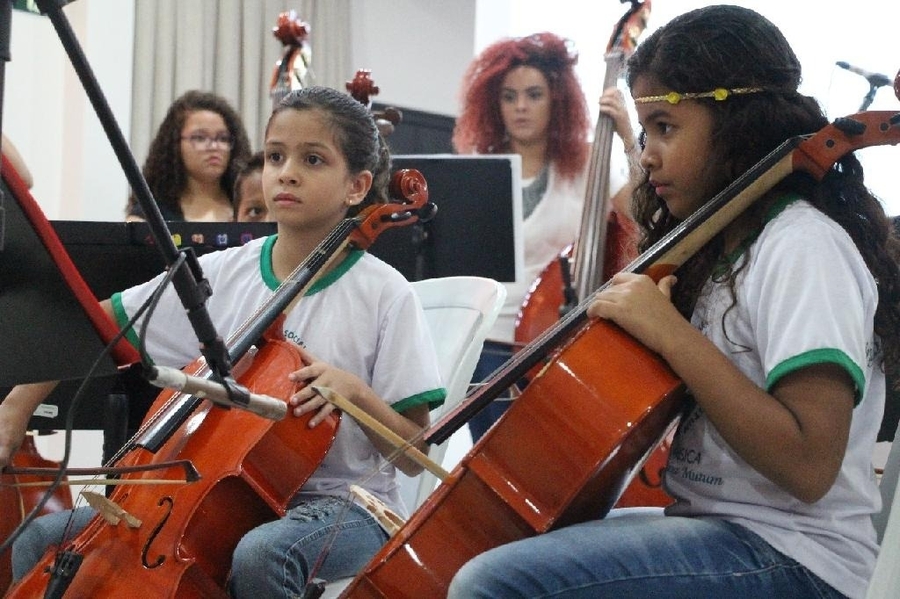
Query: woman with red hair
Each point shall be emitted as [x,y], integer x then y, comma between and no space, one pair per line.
[521,96]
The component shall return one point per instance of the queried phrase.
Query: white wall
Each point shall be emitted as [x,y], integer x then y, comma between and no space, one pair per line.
[417,50]
[49,118]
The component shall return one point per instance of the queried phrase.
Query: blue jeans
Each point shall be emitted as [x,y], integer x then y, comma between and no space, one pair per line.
[272,560]
[639,555]
[493,356]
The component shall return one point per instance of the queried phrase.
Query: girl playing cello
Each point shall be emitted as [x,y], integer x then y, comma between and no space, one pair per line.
[357,326]
[782,327]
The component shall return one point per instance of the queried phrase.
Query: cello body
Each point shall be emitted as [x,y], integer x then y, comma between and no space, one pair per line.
[565,451]
[606,244]
[540,311]
[188,532]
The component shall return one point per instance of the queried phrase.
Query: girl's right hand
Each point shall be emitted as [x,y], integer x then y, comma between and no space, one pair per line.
[640,306]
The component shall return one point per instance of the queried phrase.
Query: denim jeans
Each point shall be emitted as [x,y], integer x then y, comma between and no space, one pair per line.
[275,559]
[272,560]
[30,546]
[639,555]
[493,356]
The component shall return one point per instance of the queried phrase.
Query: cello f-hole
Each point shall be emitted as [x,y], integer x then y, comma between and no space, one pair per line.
[160,558]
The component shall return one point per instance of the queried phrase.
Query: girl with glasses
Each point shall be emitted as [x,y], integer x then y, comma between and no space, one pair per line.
[194,160]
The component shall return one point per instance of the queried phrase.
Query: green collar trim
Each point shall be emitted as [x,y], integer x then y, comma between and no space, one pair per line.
[729,260]
[272,282]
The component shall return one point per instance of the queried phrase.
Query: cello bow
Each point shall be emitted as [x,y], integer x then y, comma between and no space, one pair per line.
[505,489]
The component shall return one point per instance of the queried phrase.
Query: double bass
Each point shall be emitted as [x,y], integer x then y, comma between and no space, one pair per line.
[600,251]
[584,415]
[217,472]
[292,71]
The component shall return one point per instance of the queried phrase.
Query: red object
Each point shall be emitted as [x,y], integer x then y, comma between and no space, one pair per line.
[17,502]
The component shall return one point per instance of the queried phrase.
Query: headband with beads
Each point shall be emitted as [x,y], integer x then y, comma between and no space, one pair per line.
[719,94]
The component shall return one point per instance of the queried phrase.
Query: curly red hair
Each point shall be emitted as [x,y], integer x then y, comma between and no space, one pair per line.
[479,128]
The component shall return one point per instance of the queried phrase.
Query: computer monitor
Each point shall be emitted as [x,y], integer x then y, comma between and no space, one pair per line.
[477,230]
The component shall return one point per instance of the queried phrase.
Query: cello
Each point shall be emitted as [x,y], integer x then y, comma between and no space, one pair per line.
[362,87]
[170,539]
[600,251]
[578,416]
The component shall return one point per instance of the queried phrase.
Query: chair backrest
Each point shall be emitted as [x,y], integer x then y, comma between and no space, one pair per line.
[885,583]
[460,312]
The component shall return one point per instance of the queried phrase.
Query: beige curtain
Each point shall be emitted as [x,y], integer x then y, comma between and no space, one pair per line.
[227,47]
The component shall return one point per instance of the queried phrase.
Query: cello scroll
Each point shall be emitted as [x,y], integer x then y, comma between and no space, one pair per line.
[361,87]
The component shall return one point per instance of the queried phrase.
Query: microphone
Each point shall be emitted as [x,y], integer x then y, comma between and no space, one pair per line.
[261,405]
[874,79]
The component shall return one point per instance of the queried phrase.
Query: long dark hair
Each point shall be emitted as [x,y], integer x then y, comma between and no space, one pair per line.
[734,47]
[164,168]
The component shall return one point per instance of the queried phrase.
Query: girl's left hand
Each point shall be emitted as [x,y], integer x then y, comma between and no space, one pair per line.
[321,374]
[640,306]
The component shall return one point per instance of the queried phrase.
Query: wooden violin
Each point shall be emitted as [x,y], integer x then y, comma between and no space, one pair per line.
[176,538]
[584,415]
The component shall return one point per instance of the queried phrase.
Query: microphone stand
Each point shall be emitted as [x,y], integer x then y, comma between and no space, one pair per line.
[5,28]
[869,97]
[192,288]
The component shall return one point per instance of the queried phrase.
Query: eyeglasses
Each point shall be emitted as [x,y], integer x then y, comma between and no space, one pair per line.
[200,141]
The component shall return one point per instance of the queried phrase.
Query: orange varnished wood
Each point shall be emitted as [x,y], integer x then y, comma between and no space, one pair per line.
[250,467]
[563,454]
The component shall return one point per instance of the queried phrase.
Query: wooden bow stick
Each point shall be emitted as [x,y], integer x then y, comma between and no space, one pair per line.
[348,407]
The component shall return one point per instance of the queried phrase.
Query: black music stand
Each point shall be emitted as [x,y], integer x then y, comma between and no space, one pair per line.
[45,303]
[43,300]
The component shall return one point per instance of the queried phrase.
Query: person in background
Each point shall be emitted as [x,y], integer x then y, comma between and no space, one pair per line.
[784,327]
[194,159]
[249,202]
[522,96]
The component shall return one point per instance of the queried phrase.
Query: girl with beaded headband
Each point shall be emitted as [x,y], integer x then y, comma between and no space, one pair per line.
[783,328]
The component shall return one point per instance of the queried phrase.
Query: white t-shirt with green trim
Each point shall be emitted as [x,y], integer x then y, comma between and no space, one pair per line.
[362,317]
[804,297]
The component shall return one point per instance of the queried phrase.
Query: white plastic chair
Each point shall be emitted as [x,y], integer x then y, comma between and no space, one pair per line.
[460,311]
[885,583]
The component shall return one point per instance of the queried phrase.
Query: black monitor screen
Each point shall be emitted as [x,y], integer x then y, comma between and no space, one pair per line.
[477,228]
